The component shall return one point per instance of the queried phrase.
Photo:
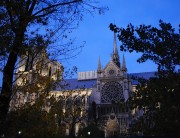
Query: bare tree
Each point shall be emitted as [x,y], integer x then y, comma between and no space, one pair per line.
[24,20]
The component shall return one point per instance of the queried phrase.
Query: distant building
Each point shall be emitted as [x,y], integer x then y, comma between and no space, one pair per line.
[101,95]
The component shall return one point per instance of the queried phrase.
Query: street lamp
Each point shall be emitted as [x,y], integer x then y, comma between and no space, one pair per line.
[19,132]
[89,132]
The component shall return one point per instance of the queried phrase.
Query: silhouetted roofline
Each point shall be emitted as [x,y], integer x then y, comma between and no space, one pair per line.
[74,83]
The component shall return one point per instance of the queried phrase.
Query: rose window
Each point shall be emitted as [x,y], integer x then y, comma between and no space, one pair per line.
[112,92]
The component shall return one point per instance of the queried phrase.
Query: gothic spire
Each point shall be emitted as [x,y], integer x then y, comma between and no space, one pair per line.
[124,63]
[115,56]
[115,50]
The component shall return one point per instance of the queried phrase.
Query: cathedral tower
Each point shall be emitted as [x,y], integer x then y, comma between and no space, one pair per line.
[113,87]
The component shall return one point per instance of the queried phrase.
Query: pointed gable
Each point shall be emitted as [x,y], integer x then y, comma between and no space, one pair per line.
[111,69]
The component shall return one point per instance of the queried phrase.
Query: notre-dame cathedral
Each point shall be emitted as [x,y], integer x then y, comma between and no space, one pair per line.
[109,88]
[111,94]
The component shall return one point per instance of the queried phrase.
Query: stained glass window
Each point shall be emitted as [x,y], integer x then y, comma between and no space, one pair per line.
[112,92]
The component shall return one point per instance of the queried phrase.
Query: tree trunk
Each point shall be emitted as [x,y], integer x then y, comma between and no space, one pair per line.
[6,92]
[7,84]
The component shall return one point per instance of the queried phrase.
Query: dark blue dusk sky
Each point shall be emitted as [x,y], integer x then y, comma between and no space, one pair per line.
[99,39]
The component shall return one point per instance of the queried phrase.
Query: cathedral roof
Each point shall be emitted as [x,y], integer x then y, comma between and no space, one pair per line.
[70,84]
[145,75]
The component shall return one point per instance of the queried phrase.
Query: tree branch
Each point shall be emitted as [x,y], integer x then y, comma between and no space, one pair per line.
[10,16]
[32,7]
[55,5]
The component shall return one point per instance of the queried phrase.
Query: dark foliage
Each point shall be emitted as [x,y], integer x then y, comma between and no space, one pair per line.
[157,97]
[161,45]
[32,121]
[91,131]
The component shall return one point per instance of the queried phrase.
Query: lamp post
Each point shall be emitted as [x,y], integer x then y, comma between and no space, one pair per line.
[89,133]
